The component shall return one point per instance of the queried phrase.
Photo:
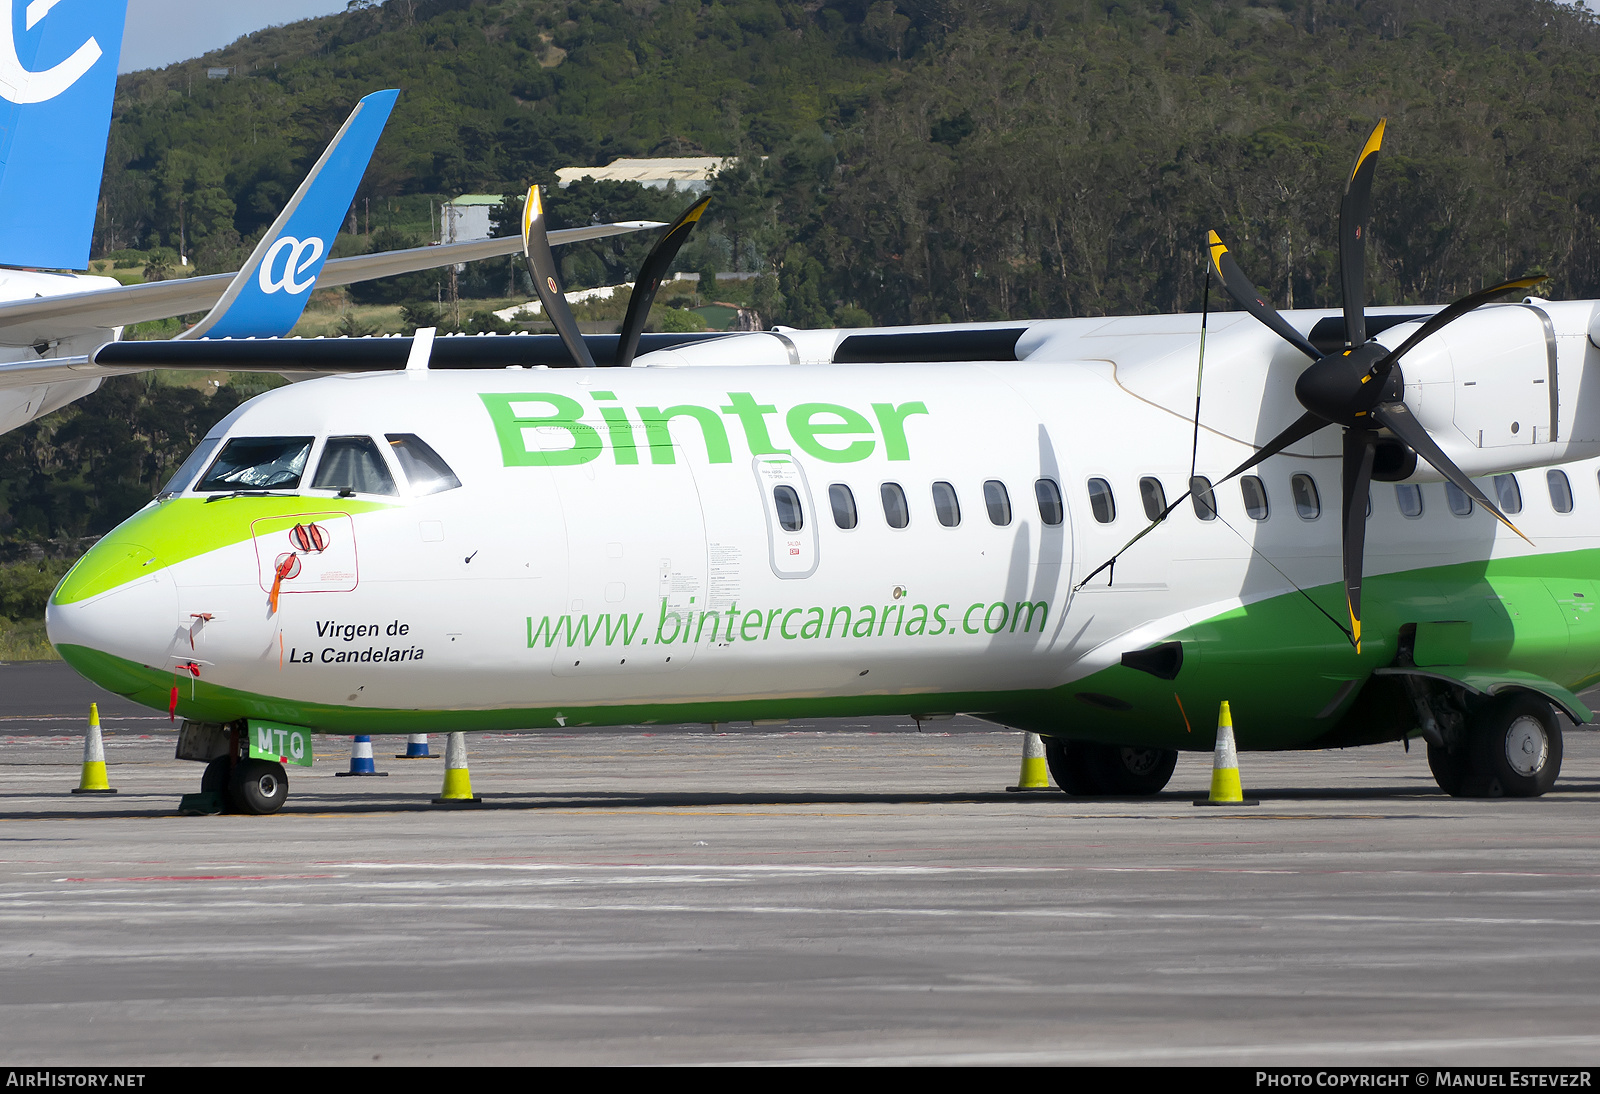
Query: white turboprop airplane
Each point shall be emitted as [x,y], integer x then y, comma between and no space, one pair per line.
[57,75]
[458,536]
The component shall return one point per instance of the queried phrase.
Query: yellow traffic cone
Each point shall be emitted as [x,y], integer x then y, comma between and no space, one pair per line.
[457,779]
[1035,773]
[93,779]
[1225,786]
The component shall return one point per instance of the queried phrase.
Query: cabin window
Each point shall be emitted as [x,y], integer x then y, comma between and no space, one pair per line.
[1508,493]
[787,505]
[1409,497]
[895,509]
[1307,505]
[945,505]
[1101,503]
[353,465]
[844,505]
[1560,490]
[259,463]
[1051,508]
[186,472]
[1254,492]
[998,501]
[1153,497]
[1460,502]
[424,469]
[1205,504]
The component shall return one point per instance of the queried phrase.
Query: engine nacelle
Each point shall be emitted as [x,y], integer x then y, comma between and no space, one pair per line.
[1489,387]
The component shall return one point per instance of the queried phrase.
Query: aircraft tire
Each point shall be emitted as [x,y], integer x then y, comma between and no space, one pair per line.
[1516,746]
[259,787]
[1119,770]
[1069,766]
[215,780]
[1452,770]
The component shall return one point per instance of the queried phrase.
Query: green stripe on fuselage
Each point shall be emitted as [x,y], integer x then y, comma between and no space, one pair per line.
[201,700]
[1287,670]
[1290,675]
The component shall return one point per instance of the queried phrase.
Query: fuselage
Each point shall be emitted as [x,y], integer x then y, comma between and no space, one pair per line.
[758,542]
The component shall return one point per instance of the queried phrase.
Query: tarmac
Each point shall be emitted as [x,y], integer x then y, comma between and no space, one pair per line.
[852,892]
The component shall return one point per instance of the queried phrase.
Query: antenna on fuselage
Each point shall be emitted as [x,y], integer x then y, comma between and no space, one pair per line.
[421,349]
[1194,451]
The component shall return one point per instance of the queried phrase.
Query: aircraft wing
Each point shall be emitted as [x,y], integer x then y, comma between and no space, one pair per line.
[29,322]
[343,271]
[318,356]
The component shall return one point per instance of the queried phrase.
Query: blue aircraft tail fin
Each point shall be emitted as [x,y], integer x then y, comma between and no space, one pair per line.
[268,295]
[58,72]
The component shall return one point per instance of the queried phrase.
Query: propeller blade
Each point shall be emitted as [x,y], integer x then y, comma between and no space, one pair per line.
[1452,313]
[1303,427]
[656,266]
[1403,424]
[1360,445]
[536,245]
[1354,213]
[1245,294]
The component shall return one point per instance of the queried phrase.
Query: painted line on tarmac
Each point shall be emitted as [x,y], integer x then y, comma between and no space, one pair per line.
[824,870]
[274,899]
[1282,1050]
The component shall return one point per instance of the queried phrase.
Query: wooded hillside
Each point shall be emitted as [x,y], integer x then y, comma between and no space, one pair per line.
[901,160]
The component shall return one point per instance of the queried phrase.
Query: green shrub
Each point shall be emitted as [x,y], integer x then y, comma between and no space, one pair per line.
[26,585]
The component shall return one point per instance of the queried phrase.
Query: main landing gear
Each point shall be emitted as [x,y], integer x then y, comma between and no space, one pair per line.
[1086,770]
[1509,746]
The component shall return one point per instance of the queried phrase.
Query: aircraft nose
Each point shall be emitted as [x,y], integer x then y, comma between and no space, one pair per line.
[119,601]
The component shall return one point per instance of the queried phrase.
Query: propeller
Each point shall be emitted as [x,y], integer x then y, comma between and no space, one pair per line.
[1360,388]
[656,266]
[536,245]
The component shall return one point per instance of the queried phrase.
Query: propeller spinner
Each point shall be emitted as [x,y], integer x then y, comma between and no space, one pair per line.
[1360,388]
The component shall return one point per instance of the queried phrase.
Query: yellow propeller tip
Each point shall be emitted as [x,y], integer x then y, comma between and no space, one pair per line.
[1374,143]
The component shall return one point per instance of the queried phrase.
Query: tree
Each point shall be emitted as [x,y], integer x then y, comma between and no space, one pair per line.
[158,267]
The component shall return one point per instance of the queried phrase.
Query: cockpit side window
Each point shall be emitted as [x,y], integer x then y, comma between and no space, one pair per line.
[425,470]
[258,463]
[353,465]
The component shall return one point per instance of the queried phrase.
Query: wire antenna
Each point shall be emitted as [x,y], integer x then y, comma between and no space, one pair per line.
[1110,564]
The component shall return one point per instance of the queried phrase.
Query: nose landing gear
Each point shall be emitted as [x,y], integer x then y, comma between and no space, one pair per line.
[258,787]
[243,784]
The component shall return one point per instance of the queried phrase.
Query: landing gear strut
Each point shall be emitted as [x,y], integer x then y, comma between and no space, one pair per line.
[1092,770]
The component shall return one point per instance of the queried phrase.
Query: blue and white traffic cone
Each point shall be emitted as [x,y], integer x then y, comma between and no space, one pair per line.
[361,759]
[417,748]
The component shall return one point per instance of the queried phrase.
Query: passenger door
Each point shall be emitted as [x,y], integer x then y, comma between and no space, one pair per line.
[791,516]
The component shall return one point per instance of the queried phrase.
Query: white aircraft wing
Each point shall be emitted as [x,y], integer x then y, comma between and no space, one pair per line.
[29,322]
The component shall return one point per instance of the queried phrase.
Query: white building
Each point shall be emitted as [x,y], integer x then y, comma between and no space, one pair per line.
[691,174]
[466,218]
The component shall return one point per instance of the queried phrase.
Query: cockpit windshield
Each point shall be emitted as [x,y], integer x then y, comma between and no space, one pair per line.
[353,465]
[258,463]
